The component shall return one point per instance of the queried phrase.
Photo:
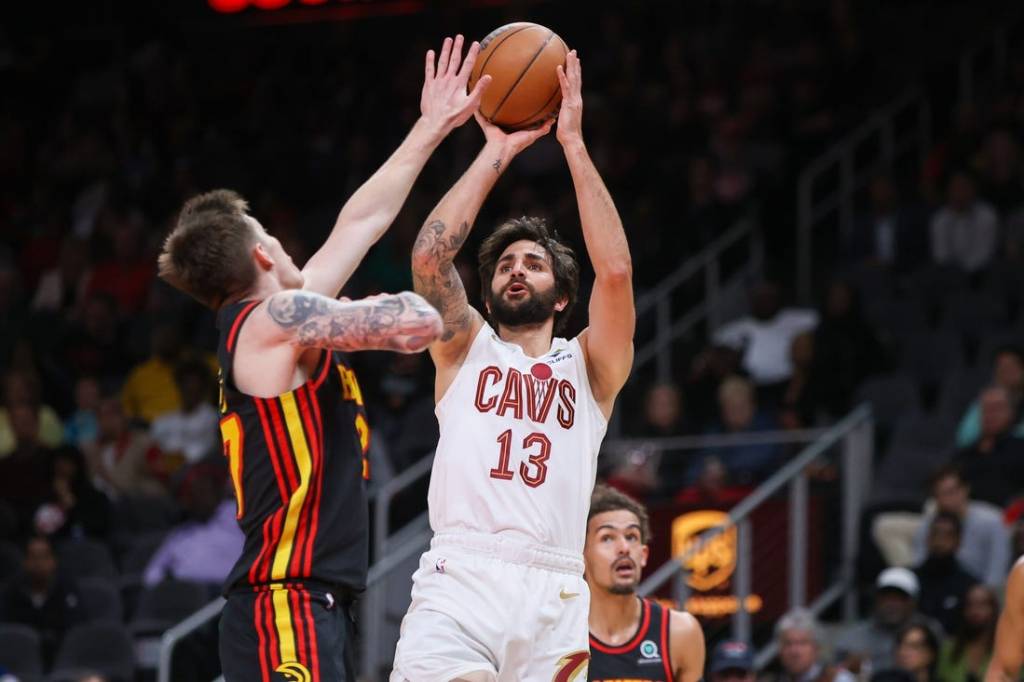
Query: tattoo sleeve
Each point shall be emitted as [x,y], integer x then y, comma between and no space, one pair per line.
[403,322]
[436,278]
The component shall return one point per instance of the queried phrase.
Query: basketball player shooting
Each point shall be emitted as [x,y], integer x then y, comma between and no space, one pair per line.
[1008,656]
[632,638]
[500,594]
[294,428]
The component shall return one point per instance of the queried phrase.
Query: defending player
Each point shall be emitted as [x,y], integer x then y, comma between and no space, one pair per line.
[1008,656]
[632,638]
[294,428]
[500,594]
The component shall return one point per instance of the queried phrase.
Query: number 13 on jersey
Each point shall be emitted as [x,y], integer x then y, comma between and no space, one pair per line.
[532,473]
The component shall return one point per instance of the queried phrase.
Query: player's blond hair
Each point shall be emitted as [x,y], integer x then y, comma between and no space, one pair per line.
[207,254]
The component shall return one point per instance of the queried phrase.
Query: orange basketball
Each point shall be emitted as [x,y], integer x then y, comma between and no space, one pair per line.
[520,58]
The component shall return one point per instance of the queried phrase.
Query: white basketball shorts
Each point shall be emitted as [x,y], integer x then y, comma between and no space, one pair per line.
[490,610]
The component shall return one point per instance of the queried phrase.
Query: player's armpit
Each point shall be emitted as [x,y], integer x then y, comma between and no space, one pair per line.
[402,322]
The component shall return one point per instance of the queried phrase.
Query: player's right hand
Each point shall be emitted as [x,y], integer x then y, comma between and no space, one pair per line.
[445,104]
[513,142]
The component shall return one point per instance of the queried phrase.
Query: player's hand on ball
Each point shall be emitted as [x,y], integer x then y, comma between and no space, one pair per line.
[513,142]
[445,104]
[570,116]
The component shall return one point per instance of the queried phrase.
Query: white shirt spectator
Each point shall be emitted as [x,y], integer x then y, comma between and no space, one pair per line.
[765,343]
[194,435]
[965,238]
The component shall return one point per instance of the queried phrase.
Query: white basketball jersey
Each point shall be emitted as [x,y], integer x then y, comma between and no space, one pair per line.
[519,441]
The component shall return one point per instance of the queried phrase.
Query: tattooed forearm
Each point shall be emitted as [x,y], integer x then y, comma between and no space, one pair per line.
[435,275]
[402,322]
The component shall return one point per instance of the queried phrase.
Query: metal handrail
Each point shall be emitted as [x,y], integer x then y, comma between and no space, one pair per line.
[716,440]
[855,429]
[880,126]
[178,632]
[659,299]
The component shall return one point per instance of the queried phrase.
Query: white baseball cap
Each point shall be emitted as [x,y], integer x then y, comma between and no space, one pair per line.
[900,579]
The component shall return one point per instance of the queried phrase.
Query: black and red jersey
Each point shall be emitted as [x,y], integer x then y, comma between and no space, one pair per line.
[298,463]
[644,658]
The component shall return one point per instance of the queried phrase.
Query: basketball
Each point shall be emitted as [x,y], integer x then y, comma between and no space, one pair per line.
[520,58]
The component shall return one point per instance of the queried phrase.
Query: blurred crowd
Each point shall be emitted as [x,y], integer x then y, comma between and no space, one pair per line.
[112,488]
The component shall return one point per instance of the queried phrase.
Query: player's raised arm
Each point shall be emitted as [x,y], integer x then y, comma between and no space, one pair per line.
[401,322]
[444,233]
[1008,656]
[609,338]
[444,105]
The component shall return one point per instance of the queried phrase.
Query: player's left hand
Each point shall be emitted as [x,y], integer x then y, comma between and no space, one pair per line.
[445,104]
[570,116]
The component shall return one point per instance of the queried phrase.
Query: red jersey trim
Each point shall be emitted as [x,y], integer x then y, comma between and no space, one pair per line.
[232,336]
[666,655]
[645,622]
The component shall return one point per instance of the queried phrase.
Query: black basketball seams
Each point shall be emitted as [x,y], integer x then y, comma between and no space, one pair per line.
[544,45]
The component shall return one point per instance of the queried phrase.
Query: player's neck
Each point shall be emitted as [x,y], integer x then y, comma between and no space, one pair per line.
[264,288]
[614,618]
[535,340]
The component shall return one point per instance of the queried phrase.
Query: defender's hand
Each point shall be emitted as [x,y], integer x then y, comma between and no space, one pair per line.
[445,105]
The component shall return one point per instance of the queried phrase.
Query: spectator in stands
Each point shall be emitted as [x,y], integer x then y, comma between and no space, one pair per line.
[93,345]
[943,580]
[1002,173]
[23,473]
[984,549]
[83,425]
[994,465]
[405,415]
[128,272]
[739,413]
[191,432]
[707,372]
[800,641]
[873,641]
[965,231]
[205,547]
[765,337]
[120,460]
[846,350]
[41,597]
[21,388]
[62,289]
[964,657]
[74,507]
[150,389]
[799,408]
[1008,372]
[917,651]
[888,234]
[732,661]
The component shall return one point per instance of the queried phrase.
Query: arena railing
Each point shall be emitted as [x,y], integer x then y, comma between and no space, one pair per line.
[854,437]
[724,293]
[829,186]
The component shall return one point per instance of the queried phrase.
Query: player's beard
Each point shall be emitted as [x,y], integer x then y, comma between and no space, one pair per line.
[535,309]
[622,590]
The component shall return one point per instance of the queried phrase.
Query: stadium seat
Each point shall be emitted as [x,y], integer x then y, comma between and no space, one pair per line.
[139,549]
[11,559]
[144,514]
[101,599]
[21,651]
[892,397]
[101,646]
[959,389]
[931,285]
[973,315]
[86,558]
[929,356]
[932,433]
[163,605]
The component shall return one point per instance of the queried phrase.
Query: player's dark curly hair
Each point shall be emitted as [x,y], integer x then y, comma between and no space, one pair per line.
[563,260]
[606,498]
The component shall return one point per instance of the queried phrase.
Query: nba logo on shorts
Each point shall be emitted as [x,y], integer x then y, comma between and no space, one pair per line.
[439,565]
